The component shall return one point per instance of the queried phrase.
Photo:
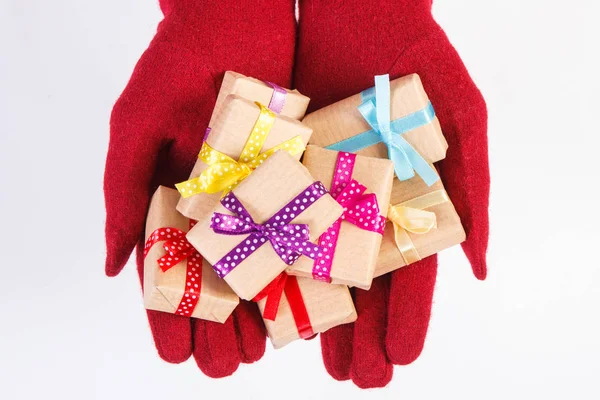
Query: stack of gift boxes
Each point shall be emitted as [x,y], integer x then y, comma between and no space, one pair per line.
[290,210]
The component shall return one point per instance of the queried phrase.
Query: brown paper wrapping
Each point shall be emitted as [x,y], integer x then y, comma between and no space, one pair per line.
[163,290]
[327,306]
[357,249]
[269,188]
[256,90]
[229,136]
[342,120]
[449,231]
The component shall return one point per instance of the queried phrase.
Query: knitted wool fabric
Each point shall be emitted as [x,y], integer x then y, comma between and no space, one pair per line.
[342,45]
[156,131]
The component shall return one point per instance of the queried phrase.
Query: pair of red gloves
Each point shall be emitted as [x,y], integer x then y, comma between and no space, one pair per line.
[335,50]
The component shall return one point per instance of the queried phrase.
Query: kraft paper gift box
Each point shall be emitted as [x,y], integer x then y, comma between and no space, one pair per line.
[355,252]
[239,129]
[429,212]
[411,114]
[306,307]
[289,103]
[279,190]
[189,286]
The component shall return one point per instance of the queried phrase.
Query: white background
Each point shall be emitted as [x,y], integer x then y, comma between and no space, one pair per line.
[530,331]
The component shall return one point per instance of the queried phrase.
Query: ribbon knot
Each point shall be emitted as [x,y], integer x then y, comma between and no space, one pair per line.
[288,240]
[224,173]
[260,228]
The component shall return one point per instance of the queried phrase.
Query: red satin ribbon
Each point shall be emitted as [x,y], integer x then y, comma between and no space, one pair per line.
[178,249]
[287,284]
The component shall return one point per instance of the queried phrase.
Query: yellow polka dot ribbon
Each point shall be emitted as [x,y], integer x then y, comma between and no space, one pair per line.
[224,173]
[411,216]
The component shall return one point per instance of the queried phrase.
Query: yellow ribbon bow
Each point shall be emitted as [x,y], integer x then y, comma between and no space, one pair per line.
[411,216]
[224,173]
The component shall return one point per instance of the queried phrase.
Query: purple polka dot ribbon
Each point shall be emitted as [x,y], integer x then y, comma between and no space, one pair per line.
[289,241]
[360,209]
[277,98]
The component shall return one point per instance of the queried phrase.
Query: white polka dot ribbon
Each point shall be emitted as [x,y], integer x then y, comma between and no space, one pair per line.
[288,240]
[360,209]
[224,173]
[177,249]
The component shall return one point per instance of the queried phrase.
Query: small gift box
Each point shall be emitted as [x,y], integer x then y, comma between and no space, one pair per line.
[265,224]
[289,103]
[176,279]
[362,185]
[392,120]
[243,136]
[422,222]
[297,308]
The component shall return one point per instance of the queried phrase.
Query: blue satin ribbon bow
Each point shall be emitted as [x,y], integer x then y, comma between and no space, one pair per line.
[375,109]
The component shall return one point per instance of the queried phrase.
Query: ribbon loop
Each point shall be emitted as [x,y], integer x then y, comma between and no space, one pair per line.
[224,173]
[413,220]
[365,214]
[351,193]
[360,209]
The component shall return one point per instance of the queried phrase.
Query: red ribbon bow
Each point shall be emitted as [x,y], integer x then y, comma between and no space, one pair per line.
[287,284]
[178,249]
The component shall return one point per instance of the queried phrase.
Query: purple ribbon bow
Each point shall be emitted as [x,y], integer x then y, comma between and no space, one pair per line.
[289,241]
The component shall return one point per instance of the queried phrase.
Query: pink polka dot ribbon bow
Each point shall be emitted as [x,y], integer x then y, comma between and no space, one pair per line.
[360,209]
[178,249]
[289,241]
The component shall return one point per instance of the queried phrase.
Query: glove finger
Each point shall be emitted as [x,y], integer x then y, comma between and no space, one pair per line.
[336,348]
[172,333]
[215,347]
[462,113]
[250,332]
[370,366]
[172,336]
[409,310]
[147,117]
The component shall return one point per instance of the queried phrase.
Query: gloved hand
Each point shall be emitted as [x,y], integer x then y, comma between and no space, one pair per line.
[156,131]
[342,45]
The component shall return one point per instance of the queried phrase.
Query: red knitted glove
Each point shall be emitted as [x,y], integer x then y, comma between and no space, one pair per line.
[343,44]
[157,128]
